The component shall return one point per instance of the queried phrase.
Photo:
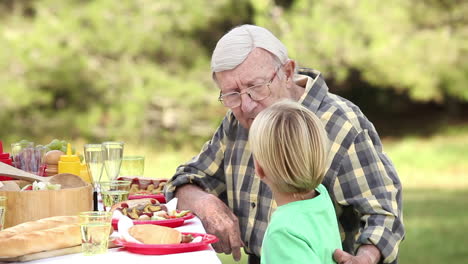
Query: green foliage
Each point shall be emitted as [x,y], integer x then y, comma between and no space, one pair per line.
[97,69]
[418,47]
[139,70]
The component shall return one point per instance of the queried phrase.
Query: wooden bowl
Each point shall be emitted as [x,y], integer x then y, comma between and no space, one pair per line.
[23,206]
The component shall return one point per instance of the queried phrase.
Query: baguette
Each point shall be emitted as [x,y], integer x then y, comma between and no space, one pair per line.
[41,224]
[63,236]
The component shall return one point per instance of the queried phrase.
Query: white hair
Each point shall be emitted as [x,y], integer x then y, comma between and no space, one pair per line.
[234,47]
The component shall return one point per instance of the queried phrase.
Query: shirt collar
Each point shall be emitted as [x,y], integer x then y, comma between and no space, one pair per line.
[315,88]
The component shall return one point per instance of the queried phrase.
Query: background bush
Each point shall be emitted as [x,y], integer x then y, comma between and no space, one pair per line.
[139,70]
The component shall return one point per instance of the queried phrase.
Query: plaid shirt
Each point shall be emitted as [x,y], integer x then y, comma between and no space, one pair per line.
[361,179]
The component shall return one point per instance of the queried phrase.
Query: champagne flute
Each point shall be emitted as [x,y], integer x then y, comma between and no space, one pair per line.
[113,153]
[94,156]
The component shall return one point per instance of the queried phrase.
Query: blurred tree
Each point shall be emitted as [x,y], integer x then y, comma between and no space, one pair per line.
[418,47]
[139,70]
[96,69]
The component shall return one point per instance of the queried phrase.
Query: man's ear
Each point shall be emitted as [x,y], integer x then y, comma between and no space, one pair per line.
[289,68]
[259,170]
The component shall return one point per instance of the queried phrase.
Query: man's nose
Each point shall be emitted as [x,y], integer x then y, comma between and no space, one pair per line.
[247,104]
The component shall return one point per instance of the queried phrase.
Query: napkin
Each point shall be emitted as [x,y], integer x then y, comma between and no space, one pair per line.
[117,214]
[171,205]
[123,225]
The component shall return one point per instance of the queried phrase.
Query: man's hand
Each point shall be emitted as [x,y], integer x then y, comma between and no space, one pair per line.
[216,217]
[367,254]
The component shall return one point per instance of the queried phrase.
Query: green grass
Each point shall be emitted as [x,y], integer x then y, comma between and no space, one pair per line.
[440,161]
[434,173]
[436,223]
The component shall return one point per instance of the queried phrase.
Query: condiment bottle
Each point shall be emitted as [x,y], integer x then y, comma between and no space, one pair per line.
[69,163]
[5,158]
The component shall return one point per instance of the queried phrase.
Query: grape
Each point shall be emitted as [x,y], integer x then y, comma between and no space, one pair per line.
[64,149]
[61,145]
[55,145]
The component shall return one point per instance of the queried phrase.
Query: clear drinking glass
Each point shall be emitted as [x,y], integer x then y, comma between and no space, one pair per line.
[27,157]
[113,192]
[22,153]
[132,166]
[113,153]
[95,231]
[17,148]
[94,157]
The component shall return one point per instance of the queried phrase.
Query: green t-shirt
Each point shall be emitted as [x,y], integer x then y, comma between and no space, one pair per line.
[302,232]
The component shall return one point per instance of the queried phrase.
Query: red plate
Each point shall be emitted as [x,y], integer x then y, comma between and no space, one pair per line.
[159,197]
[173,222]
[188,216]
[152,249]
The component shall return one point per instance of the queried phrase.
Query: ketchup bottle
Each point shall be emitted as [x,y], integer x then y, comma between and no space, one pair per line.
[5,158]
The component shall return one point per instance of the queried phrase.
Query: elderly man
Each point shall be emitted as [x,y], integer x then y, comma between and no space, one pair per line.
[252,70]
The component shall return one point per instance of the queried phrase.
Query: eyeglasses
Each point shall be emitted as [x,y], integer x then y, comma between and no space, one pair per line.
[256,92]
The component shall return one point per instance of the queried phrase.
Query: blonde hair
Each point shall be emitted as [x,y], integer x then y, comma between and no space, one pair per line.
[234,47]
[291,145]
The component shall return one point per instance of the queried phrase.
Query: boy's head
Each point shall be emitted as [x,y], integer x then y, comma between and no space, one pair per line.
[290,147]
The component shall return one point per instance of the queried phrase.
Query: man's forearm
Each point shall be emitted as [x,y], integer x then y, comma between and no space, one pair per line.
[371,252]
[189,196]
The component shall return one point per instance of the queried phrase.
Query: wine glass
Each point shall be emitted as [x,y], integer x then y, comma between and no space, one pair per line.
[113,153]
[94,157]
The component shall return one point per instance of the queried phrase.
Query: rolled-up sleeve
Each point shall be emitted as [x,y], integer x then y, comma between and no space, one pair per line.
[206,169]
[367,181]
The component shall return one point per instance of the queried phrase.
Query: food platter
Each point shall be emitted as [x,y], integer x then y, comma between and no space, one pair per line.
[152,249]
[146,188]
[173,222]
[160,197]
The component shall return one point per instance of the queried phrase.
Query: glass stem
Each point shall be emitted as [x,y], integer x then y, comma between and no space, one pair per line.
[95,200]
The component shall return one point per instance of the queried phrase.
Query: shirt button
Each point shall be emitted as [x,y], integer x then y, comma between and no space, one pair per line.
[253,205]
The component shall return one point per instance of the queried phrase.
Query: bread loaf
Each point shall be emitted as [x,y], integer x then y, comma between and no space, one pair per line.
[59,237]
[154,234]
[41,224]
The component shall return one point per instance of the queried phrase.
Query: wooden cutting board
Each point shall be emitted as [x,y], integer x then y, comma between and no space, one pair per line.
[44,254]
[48,254]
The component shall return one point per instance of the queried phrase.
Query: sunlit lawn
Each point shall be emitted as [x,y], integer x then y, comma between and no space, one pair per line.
[434,173]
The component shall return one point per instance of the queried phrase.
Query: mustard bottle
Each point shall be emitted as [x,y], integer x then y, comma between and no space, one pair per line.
[69,163]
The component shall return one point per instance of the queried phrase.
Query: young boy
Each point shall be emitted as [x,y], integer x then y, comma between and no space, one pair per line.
[289,146]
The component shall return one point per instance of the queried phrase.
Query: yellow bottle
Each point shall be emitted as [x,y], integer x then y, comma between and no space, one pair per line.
[69,163]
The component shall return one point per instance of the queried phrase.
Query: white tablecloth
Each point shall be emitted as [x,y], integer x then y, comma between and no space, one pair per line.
[116,255]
